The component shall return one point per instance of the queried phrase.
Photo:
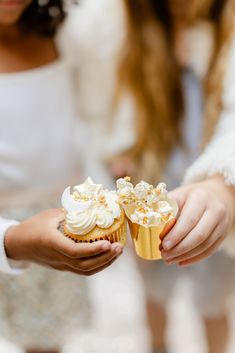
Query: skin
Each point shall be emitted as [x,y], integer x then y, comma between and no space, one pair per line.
[15,46]
[11,11]
[199,231]
[38,239]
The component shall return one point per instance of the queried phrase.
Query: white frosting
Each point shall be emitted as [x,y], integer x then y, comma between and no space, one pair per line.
[123,183]
[164,207]
[144,204]
[161,189]
[81,223]
[125,188]
[142,190]
[147,218]
[88,206]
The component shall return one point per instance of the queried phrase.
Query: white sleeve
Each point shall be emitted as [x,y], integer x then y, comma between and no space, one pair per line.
[219,156]
[8,266]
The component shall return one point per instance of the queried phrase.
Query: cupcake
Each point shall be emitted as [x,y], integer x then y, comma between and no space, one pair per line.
[92,214]
[151,214]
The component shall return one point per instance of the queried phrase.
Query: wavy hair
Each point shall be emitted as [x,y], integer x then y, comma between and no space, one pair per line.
[149,70]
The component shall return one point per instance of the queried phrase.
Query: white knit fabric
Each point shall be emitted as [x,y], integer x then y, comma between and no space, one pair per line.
[219,156]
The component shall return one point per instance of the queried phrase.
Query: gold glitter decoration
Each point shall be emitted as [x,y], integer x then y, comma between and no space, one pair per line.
[127,178]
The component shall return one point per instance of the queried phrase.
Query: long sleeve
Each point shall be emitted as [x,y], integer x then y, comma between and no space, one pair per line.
[8,266]
[219,155]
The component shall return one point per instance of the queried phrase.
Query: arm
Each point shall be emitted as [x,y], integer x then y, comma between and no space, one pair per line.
[38,240]
[207,201]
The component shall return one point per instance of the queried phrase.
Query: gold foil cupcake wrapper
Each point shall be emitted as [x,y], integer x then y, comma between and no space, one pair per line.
[147,240]
[118,236]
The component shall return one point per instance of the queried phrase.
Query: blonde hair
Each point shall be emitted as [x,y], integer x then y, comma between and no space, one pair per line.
[149,70]
[224,31]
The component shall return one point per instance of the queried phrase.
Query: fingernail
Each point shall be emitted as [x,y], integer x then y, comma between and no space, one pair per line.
[167,257]
[117,249]
[106,247]
[167,245]
[119,252]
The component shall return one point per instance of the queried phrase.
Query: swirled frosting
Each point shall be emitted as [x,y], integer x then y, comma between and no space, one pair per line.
[145,204]
[89,205]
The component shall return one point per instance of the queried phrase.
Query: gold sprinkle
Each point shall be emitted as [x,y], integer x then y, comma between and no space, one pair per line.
[145,220]
[75,195]
[127,178]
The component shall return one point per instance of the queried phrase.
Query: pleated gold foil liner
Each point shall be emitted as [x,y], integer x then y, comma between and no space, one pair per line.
[117,236]
[147,240]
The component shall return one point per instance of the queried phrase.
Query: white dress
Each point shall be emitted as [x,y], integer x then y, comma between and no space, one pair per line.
[37,160]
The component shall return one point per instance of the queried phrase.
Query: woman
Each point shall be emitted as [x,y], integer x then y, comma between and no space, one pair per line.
[168,64]
[38,158]
[26,43]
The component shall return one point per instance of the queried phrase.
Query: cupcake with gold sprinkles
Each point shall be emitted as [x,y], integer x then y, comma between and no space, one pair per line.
[93,213]
[150,214]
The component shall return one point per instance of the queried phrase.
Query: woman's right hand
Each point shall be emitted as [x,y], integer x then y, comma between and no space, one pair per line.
[38,240]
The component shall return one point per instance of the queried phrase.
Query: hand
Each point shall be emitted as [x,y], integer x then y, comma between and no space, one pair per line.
[207,212]
[39,240]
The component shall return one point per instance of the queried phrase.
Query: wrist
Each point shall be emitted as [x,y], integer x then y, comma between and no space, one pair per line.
[218,185]
[218,181]
[8,265]
[12,243]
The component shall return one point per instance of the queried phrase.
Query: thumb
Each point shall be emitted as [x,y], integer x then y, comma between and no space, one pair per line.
[179,195]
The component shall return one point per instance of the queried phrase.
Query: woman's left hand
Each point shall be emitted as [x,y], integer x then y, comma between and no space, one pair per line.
[207,211]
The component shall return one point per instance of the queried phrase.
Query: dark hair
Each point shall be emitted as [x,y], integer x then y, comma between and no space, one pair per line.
[43,17]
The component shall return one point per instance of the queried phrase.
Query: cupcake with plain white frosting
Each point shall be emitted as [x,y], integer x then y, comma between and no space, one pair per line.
[93,213]
[150,213]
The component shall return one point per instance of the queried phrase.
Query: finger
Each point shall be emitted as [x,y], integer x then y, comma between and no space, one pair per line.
[203,255]
[88,273]
[188,219]
[201,248]
[178,196]
[74,250]
[196,237]
[167,229]
[90,264]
